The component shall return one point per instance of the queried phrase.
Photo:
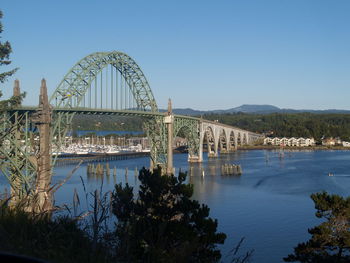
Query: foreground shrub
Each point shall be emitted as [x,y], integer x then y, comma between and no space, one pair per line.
[330,241]
[53,239]
[163,224]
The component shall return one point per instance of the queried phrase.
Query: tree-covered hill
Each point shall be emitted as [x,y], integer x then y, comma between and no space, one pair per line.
[107,123]
[290,124]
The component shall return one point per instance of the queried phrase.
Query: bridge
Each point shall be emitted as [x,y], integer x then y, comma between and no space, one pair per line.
[103,83]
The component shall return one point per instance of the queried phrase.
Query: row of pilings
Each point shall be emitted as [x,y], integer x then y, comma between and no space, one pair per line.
[100,170]
[231,169]
[225,170]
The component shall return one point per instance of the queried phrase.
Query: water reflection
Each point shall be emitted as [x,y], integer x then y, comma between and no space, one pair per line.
[269,199]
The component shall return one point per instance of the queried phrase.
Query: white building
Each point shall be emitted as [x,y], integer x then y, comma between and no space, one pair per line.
[346,144]
[293,142]
[284,141]
[301,142]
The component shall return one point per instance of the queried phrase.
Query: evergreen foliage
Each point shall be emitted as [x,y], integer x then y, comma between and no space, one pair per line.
[107,123]
[5,51]
[58,239]
[330,241]
[163,224]
[11,102]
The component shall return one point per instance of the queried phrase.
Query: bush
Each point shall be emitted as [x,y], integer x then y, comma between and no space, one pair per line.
[330,241]
[56,240]
[163,224]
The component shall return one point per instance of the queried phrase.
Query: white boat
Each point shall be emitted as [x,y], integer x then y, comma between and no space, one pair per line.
[112,150]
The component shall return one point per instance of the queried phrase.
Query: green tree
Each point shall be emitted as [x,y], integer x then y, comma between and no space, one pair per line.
[5,51]
[330,241]
[163,224]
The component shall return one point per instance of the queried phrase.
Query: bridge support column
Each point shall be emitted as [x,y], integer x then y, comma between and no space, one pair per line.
[212,154]
[232,148]
[169,121]
[43,180]
[224,151]
[216,147]
[195,159]
[197,154]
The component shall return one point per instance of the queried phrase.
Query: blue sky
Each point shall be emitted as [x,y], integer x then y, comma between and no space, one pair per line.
[202,54]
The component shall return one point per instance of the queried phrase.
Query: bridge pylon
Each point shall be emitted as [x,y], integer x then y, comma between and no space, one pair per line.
[42,118]
[169,122]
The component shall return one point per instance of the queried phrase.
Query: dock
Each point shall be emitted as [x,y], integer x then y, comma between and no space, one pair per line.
[65,159]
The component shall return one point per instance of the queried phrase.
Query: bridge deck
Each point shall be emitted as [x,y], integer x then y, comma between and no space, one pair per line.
[147,114]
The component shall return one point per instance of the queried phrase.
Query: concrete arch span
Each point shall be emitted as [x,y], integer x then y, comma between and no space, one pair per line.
[232,142]
[223,142]
[239,139]
[209,139]
[189,130]
[245,139]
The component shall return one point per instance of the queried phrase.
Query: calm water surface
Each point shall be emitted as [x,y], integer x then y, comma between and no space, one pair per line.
[269,204]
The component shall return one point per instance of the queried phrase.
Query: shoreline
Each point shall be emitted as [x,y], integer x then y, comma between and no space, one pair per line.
[292,148]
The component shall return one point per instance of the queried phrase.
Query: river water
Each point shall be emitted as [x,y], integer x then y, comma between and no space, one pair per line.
[269,204]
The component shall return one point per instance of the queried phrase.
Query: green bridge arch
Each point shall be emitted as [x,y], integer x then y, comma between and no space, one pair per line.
[76,83]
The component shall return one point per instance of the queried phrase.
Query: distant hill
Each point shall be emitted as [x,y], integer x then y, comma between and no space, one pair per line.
[188,111]
[259,109]
[246,108]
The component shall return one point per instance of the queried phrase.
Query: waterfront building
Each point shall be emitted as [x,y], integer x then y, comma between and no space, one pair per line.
[268,141]
[284,141]
[302,142]
[346,144]
[298,142]
[331,141]
[293,142]
[276,141]
[310,141]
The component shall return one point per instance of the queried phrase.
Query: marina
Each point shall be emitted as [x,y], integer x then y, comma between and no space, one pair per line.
[100,145]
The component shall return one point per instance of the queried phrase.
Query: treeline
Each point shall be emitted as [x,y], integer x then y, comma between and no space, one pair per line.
[290,124]
[275,124]
[107,123]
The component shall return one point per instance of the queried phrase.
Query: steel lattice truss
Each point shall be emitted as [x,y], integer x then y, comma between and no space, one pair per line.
[18,150]
[190,128]
[71,90]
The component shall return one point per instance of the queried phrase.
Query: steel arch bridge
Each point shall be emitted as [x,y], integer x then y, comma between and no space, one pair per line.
[103,83]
